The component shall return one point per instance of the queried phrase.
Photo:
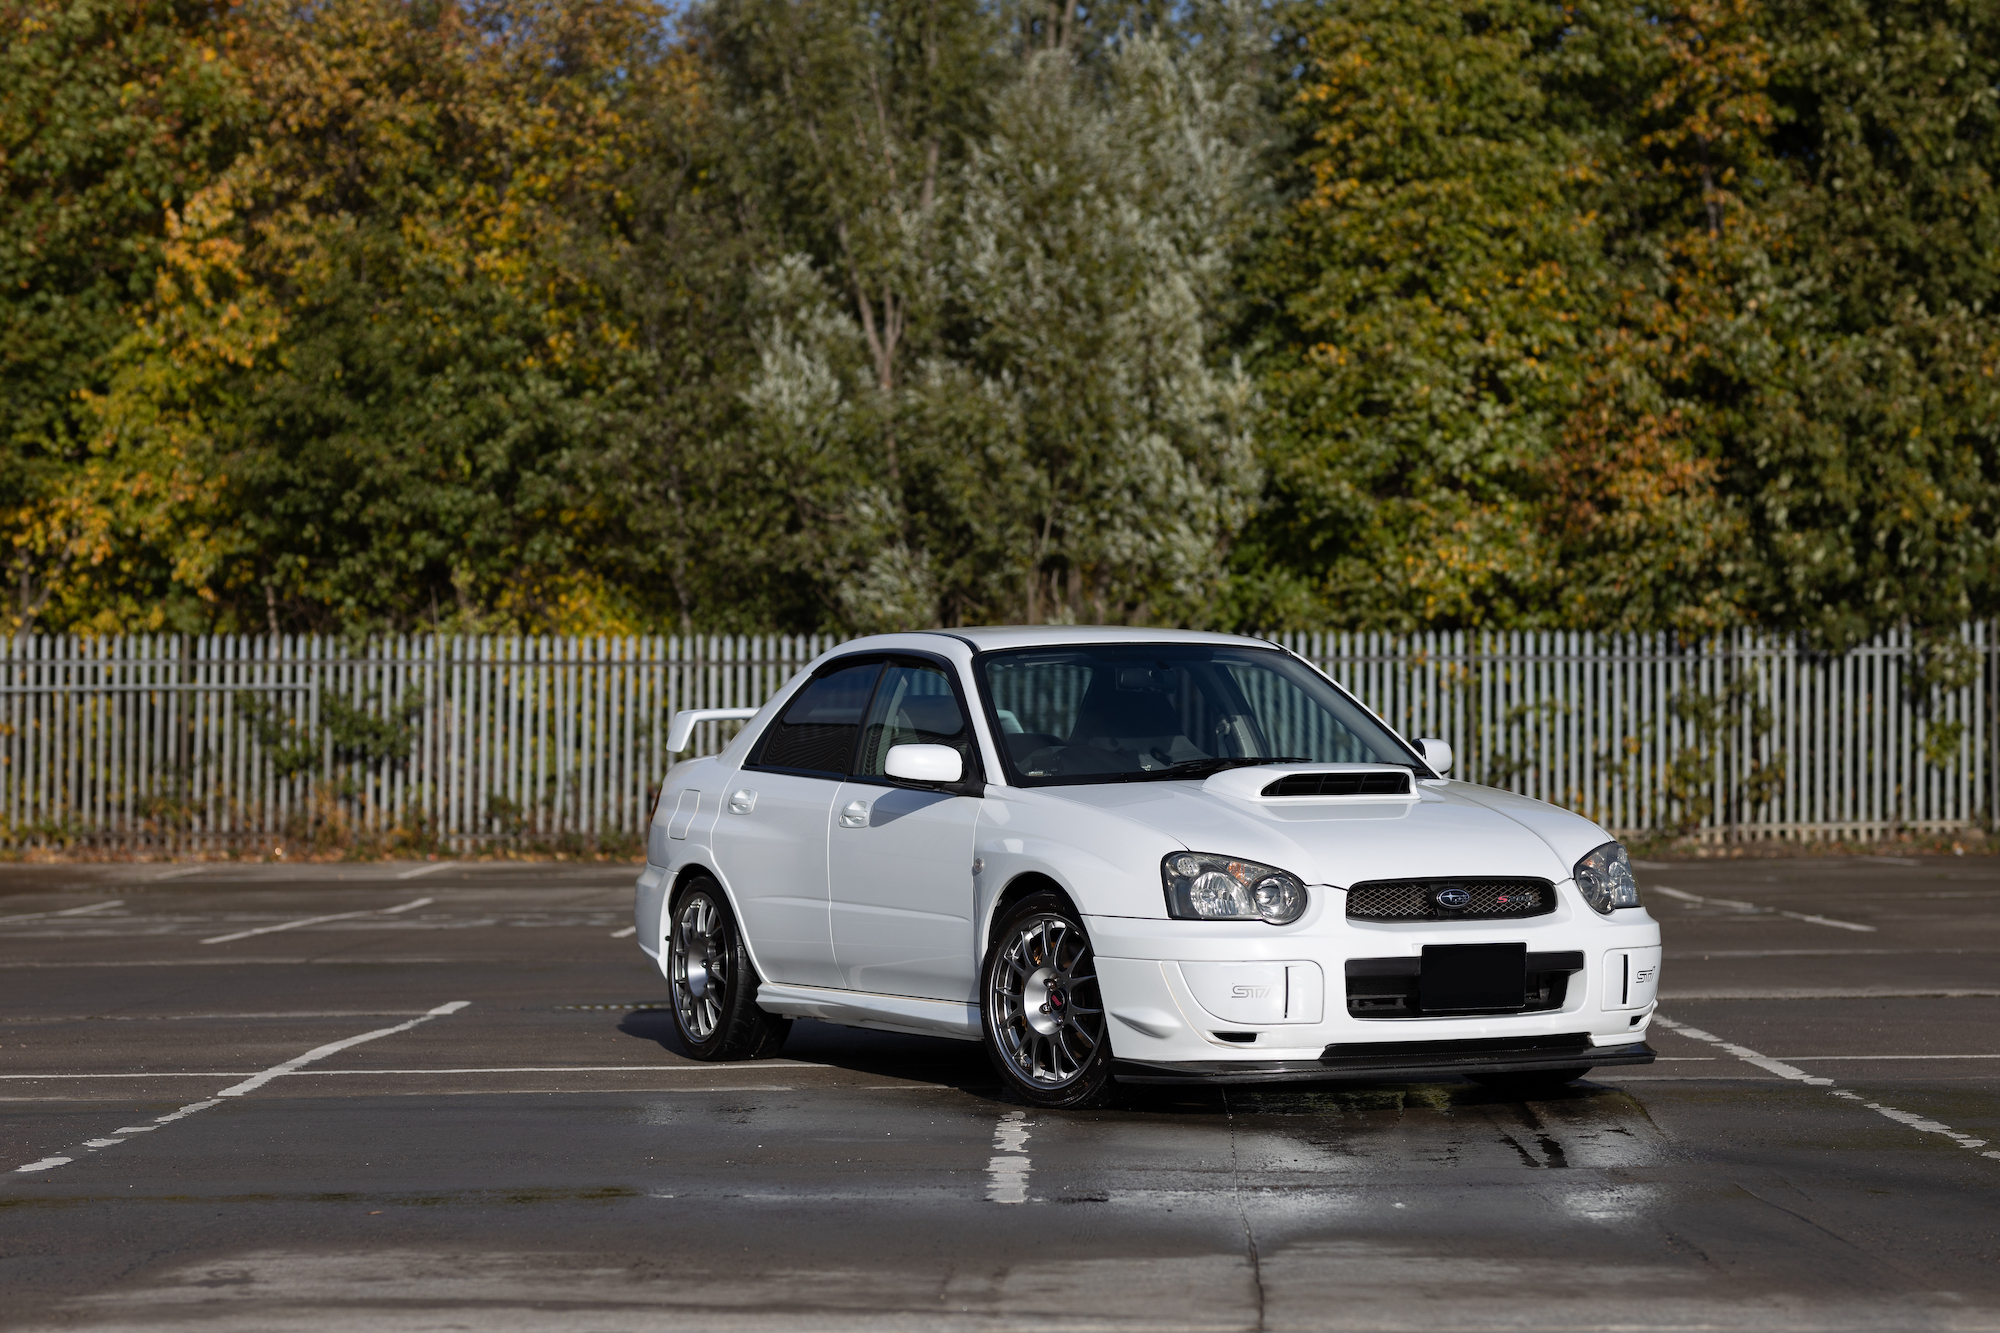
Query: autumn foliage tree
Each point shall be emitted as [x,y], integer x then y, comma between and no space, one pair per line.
[539,315]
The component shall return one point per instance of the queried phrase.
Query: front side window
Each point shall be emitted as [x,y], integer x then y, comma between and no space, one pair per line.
[914,705]
[817,730]
[1118,713]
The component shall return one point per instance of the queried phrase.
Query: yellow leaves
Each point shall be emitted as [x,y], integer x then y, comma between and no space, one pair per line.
[1714,93]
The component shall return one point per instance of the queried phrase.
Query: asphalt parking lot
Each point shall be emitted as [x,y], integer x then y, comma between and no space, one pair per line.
[405,1097]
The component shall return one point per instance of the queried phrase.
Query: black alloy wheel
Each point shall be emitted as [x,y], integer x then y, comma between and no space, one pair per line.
[714,986]
[1042,1013]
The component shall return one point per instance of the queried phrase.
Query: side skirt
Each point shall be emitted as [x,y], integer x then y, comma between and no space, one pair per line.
[860,1009]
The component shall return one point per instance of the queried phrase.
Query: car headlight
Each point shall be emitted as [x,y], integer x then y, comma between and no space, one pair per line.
[1221,888]
[1605,877]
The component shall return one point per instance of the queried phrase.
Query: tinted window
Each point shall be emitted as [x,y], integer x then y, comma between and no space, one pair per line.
[914,706]
[817,729]
[1113,712]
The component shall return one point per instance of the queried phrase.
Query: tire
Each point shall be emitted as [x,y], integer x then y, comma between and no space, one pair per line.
[1041,1012]
[1530,1082]
[714,986]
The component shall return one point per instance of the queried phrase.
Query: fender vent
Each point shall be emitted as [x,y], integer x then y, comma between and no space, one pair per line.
[1463,899]
[1341,784]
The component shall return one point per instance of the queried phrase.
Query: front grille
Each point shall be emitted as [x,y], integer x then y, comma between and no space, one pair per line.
[1417,899]
[1341,784]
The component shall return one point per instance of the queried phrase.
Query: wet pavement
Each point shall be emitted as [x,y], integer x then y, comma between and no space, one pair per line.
[1819,1146]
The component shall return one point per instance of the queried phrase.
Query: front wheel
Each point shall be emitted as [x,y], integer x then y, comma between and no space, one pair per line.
[1042,1012]
[713,984]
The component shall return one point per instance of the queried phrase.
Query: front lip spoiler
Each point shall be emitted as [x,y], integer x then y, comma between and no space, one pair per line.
[1397,1061]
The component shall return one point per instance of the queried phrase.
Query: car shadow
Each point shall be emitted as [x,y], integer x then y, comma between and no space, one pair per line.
[962,1065]
[936,1060]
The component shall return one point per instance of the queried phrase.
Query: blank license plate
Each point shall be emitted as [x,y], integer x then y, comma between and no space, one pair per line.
[1473,977]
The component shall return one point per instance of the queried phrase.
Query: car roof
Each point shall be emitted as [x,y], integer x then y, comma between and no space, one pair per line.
[987,638]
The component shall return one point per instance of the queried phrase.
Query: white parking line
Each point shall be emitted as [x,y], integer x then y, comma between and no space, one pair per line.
[257,1081]
[172,1018]
[1793,1072]
[67,911]
[1007,1170]
[1745,1054]
[316,920]
[1892,1057]
[503,1069]
[254,1082]
[621,934]
[176,874]
[425,870]
[1753,907]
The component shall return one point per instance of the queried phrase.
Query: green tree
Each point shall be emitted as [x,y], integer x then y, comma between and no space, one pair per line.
[369,393]
[112,117]
[1868,453]
[1071,448]
[1429,293]
[1098,229]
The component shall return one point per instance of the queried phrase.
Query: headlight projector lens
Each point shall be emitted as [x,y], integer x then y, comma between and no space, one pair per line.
[1202,887]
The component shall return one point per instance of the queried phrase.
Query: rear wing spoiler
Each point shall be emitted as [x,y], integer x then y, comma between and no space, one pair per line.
[681,733]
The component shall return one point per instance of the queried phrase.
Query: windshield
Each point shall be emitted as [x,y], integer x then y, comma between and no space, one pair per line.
[1135,713]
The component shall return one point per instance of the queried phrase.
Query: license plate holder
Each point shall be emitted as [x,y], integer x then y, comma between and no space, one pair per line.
[1473,978]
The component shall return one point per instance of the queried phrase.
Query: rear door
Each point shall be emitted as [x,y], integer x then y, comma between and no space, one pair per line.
[901,854]
[771,834]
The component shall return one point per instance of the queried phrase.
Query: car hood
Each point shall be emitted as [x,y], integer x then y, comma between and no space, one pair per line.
[1450,829]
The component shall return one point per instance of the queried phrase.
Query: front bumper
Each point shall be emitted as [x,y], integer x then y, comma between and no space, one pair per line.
[1190,1000]
[1398,1061]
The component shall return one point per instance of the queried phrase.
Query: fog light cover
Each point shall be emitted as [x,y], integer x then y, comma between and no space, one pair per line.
[1605,879]
[1203,887]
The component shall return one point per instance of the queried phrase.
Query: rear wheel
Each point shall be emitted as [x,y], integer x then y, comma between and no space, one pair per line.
[1530,1082]
[713,984]
[1042,1012]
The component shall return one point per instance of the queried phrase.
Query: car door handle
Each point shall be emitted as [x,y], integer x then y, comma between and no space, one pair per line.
[855,815]
[742,802]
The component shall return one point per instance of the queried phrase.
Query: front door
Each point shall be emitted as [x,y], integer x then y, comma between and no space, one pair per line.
[900,856]
[771,835]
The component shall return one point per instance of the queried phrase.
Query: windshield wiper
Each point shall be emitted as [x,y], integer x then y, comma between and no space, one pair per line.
[1202,768]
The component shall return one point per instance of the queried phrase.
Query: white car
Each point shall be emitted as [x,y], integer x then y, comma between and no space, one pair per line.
[1138,855]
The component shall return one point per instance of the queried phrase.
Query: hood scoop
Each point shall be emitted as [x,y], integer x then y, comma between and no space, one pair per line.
[1315,783]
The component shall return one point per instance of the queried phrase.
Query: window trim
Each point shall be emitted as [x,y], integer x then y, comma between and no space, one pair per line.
[754,763]
[1018,779]
[972,783]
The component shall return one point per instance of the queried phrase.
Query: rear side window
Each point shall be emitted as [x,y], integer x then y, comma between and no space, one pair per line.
[816,732]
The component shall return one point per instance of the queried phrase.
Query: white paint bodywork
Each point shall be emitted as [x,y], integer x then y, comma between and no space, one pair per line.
[909,900]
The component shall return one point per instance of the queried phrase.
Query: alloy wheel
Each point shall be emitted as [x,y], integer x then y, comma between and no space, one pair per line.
[699,966]
[1050,1017]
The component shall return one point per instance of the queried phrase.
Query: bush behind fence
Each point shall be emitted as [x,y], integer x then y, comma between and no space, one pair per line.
[165,743]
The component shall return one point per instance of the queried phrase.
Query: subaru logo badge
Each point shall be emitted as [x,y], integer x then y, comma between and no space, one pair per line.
[1452,898]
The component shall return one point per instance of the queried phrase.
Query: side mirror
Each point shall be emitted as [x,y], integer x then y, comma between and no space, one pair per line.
[1436,753]
[924,763]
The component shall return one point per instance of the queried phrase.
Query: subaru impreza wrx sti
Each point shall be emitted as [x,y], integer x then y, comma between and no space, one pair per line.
[1132,855]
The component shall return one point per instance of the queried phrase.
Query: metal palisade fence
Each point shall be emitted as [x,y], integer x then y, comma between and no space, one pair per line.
[169,743]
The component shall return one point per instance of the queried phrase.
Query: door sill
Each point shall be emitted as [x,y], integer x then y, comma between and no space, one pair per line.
[887,1013]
